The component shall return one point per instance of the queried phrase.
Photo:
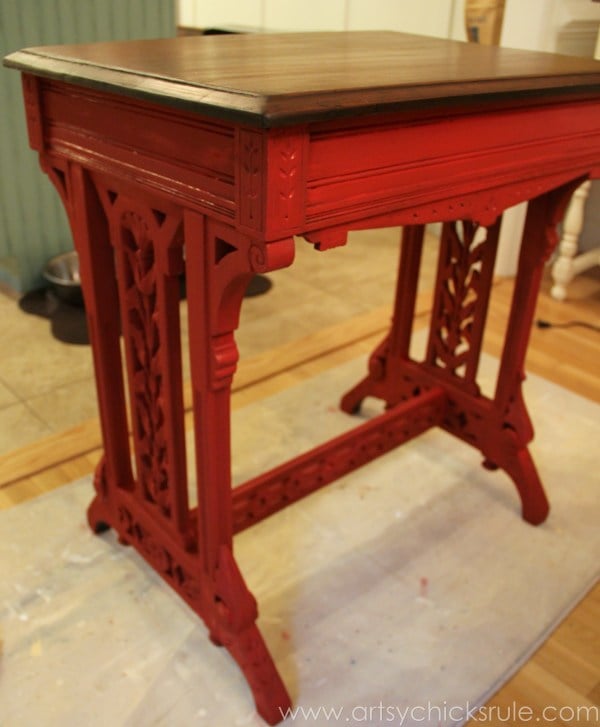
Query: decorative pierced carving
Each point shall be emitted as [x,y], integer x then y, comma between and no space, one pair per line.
[462,293]
[464,423]
[139,279]
[148,245]
[222,249]
[162,558]
[457,296]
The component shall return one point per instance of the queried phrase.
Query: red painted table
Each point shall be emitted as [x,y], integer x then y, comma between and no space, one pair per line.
[207,155]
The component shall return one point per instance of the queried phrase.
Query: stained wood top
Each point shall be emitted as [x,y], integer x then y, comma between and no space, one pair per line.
[281,79]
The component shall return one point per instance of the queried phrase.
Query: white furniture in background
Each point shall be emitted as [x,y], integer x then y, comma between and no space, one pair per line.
[568,263]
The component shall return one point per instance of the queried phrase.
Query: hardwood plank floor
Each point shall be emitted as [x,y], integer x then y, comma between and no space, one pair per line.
[565,672]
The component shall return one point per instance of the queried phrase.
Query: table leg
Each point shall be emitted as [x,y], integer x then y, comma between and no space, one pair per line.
[508,450]
[131,248]
[96,261]
[500,427]
[219,264]
[394,347]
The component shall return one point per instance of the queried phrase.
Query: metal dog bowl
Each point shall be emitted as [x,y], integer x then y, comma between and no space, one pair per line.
[62,272]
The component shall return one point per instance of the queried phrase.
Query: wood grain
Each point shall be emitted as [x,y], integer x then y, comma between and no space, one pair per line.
[271,80]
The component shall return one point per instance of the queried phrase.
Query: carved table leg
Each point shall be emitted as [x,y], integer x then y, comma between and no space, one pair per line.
[457,321]
[500,427]
[539,239]
[131,246]
[96,261]
[219,264]
[394,348]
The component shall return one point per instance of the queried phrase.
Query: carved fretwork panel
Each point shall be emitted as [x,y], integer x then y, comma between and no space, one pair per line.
[148,245]
[139,282]
[145,535]
[465,270]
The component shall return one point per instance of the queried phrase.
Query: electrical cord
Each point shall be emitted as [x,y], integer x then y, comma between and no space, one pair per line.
[569,324]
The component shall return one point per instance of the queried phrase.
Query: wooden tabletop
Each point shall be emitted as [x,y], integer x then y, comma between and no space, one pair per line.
[281,79]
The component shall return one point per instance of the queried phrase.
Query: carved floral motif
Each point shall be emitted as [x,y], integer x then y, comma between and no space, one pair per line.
[288,170]
[457,297]
[141,329]
[250,179]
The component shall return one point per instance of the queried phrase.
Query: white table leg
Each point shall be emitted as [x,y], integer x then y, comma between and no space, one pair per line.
[566,264]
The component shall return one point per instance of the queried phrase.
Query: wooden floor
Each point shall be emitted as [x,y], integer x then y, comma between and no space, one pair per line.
[565,672]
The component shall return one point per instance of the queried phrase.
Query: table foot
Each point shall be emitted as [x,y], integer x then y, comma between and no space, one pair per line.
[221,598]
[477,421]
[230,612]
[487,464]
[214,639]
[97,516]
[252,656]
[519,466]
[352,400]
[471,417]
[376,383]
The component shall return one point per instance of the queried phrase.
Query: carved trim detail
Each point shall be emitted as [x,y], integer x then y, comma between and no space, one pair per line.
[483,207]
[285,182]
[250,179]
[148,244]
[460,271]
[257,258]
[158,555]
[462,293]
[293,480]
[288,172]
[139,280]
[270,182]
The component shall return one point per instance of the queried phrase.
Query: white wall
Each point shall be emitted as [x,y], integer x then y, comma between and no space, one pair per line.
[543,25]
[214,13]
[537,24]
[304,15]
[528,24]
[428,17]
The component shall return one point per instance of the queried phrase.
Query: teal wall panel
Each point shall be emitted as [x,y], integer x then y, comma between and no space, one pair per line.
[33,225]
